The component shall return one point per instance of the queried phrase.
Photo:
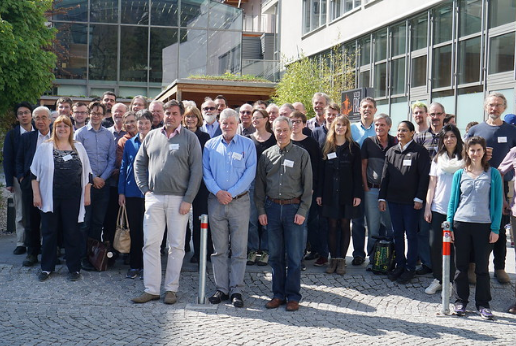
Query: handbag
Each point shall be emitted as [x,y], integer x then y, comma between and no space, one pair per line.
[97,254]
[122,241]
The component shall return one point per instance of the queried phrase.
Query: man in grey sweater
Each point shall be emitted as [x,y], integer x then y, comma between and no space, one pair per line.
[168,171]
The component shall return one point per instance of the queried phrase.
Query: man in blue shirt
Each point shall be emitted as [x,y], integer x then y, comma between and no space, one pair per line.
[360,131]
[229,167]
[100,146]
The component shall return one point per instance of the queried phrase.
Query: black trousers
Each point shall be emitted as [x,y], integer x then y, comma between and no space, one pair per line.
[135,211]
[472,237]
[32,219]
[436,248]
[66,213]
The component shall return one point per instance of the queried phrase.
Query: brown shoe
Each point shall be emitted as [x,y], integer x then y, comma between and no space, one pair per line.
[330,269]
[512,309]
[170,297]
[502,276]
[274,303]
[292,305]
[145,297]
[341,266]
[472,277]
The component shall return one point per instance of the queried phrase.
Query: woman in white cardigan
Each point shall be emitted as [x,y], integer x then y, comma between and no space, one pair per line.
[61,184]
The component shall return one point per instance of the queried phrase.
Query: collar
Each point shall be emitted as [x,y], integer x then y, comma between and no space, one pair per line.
[233,140]
[286,149]
[366,128]
[403,148]
[89,128]
[175,132]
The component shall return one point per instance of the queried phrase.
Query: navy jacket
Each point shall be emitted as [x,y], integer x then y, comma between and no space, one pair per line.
[11,143]
[25,154]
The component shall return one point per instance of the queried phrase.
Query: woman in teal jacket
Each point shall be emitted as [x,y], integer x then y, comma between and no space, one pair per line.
[475,212]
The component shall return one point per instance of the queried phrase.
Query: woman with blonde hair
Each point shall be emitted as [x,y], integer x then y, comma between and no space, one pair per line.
[340,189]
[61,176]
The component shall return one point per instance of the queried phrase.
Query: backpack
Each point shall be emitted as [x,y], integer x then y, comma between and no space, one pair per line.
[383,256]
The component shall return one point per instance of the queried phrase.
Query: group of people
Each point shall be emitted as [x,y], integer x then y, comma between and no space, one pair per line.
[279,189]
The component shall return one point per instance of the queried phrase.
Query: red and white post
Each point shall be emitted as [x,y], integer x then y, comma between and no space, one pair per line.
[446,268]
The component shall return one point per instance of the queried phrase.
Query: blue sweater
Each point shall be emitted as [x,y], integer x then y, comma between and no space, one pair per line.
[126,182]
[495,204]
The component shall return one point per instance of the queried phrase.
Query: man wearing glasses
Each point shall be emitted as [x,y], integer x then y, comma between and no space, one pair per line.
[80,114]
[501,137]
[210,113]
[100,147]
[246,125]
[430,137]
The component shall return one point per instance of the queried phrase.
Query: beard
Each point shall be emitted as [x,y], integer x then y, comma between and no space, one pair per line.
[209,118]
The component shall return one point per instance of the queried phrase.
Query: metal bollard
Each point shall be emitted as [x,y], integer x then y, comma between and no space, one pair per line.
[202,259]
[446,268]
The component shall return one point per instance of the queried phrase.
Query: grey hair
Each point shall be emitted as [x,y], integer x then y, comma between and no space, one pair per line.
[384,116]
[228,113]
[437,104]
[41,109]
[496,94]
[282,118]
[321,95]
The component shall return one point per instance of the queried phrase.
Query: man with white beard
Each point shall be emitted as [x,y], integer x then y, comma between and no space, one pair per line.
[210,113]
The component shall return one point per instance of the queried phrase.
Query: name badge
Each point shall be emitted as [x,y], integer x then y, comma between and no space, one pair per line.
[237,156]
[332,156]
[407,162]
[502,139]
[67,157]
[173,146]
[288,163]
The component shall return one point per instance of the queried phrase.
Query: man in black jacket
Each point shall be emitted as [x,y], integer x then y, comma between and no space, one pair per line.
[26,150]
[23,113]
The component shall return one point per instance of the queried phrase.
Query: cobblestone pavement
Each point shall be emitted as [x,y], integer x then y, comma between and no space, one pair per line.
[335,310]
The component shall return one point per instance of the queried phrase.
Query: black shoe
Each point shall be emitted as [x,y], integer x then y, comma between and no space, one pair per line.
[43,276]
[86,265]
[395,274]
[423,270]
[406,276]
[20,250]
[358,261]
[30,261]
[194,260]
[312,256]
[237,301]
[218,297]
[74,276]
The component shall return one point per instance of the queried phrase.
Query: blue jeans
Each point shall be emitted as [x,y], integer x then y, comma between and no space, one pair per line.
[285,237]
[94,217]
[375,218]
[423,241]
[358,234]
[405,218]
[317,228]
[257,237]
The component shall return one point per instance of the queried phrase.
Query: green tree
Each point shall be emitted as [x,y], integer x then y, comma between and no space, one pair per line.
[26,60]
[331,72]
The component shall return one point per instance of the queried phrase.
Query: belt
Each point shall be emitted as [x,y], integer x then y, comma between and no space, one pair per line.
[285,201]
[240,195]
[373,186]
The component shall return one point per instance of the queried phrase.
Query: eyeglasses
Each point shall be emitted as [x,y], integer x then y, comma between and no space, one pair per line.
[97,114]
[191,116]
[495,105]
[434,114]
[206,109]
[297,122]
[246,112]
[23,113]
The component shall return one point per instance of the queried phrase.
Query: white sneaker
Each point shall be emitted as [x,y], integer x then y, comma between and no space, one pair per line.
[434,287]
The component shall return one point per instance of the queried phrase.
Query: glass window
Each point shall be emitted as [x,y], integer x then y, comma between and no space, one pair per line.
[163,55]
[165,12]
[501,53]
[104,11]
[223,52]
[336,9]
[441,67]
[380,80]
[194,13]
[135,12]
[73,10]
[419,32]
[443,18]
[364,80]
[380,46]
[71,50]
[192,52]
[469,61]
[501,12]
[133,54]
[314,14]
[399,38]
[398,76]
[365,51]
[470,17]
[418,75]
[103,51]
[225,17]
